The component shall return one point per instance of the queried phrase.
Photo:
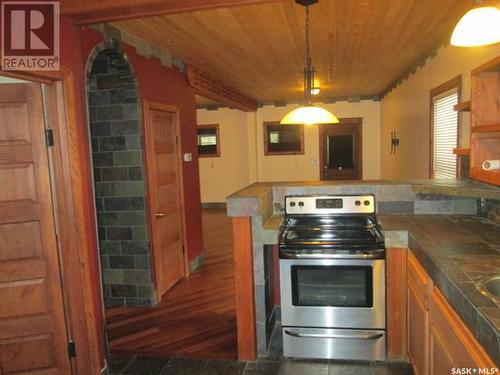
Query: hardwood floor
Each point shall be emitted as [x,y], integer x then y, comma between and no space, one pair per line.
[197,318]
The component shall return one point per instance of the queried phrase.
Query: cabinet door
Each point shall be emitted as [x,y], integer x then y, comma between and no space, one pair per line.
[440,361]
[452,344]
[418,328]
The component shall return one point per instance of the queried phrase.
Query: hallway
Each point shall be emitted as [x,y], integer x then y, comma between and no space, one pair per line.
[197,317]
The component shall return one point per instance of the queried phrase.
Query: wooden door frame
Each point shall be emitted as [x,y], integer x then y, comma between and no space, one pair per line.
[442,88]
[359,153]
[147,134]
[74,219]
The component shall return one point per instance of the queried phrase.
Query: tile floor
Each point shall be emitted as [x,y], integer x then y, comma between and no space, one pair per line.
[273,364]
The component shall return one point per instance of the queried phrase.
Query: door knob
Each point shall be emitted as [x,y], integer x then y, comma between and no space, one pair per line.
[160,214]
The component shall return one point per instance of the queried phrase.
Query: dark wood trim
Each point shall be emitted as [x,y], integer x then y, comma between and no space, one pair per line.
[146,108]
[446,86]
[266,124]
[396,304]
[89,12]
[211,88]
[217,135]
[75,218]
[245,299]
[357,121]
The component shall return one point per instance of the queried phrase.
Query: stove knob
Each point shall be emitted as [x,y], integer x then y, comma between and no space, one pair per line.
[301,204]
[292,204]
[357,203]
[367,203]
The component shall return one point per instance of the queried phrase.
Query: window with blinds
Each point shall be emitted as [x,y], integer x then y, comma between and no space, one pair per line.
[445,134]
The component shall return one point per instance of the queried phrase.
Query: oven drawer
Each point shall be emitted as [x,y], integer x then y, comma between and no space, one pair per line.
[334,343]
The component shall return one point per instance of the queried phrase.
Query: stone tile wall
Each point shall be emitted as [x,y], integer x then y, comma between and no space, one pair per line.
[117,154]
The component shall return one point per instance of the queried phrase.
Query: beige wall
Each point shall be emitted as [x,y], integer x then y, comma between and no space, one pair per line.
[242,159]
[406,110]
[305,167]
[228,173]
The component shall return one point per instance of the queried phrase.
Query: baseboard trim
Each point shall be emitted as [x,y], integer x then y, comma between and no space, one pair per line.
[214,205]
[195,263]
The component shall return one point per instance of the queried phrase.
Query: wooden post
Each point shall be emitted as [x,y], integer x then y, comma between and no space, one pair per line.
[245,301]
[396,303]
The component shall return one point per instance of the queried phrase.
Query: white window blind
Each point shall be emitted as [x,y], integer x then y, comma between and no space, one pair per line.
[445,123]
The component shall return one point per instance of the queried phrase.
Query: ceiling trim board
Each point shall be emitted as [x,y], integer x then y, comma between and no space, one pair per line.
[85,12]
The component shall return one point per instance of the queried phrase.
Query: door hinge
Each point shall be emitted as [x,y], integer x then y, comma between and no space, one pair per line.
[71,349]
[49,137]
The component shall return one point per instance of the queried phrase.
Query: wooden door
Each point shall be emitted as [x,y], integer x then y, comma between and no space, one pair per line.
[32,325]
[341,150]
[165,209]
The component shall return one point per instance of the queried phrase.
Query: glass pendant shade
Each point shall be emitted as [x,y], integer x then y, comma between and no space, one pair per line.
[478,27]
[309,115]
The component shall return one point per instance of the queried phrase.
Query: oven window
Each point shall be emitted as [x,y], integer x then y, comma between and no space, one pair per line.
[340,286]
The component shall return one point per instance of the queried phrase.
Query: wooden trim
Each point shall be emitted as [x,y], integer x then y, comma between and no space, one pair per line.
[462,106]
[217,135]
[396,303]
[89,12]
[266,124]
[146,108]
[491,128]
[245,299]
[446,86]
[356,121]
[71,169]
[461,151]
[490,66]
[210,88]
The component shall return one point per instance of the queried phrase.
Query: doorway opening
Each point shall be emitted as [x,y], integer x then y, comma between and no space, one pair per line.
[340,150]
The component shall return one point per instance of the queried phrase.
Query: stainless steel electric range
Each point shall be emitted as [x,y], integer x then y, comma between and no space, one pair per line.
[332,275]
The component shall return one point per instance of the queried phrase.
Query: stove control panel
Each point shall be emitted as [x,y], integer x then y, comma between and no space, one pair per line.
[330,204]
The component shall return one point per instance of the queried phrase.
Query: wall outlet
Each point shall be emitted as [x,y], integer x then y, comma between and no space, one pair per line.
[188,156]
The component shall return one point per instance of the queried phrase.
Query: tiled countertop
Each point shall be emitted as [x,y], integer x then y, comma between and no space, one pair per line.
[456,251]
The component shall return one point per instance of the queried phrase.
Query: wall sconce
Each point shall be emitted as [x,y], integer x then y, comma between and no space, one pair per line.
[394,142]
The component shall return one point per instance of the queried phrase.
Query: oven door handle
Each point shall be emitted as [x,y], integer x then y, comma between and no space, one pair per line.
[372,336]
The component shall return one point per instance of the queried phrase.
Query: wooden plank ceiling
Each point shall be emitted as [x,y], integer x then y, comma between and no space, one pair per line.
[358,46]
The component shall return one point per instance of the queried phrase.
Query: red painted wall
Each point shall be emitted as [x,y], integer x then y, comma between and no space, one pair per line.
[156,83]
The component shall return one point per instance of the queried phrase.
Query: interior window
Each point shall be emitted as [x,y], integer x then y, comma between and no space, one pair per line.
[444,132]
[283,139]
[208,140]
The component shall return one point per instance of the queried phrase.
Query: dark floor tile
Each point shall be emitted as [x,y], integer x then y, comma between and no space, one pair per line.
[185,366]
[216,367]
[146,366]
[369,369]
[117,362]
[303,368]
[262,368]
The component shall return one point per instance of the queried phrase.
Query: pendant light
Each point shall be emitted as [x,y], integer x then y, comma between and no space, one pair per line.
[480,26]
[309,114]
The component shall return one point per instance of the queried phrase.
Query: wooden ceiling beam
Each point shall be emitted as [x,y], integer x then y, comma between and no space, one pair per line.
[86,12]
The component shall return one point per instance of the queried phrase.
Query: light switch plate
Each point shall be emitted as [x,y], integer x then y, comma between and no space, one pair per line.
[188,156]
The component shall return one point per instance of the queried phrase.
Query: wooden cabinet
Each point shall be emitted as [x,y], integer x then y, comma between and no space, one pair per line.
[418,284]
[438,340]
[485,120]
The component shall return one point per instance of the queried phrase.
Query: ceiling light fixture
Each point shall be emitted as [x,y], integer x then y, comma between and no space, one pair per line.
[480,26]
[309,114]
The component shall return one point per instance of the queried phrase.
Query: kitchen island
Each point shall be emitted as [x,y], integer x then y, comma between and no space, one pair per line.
[437,220]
